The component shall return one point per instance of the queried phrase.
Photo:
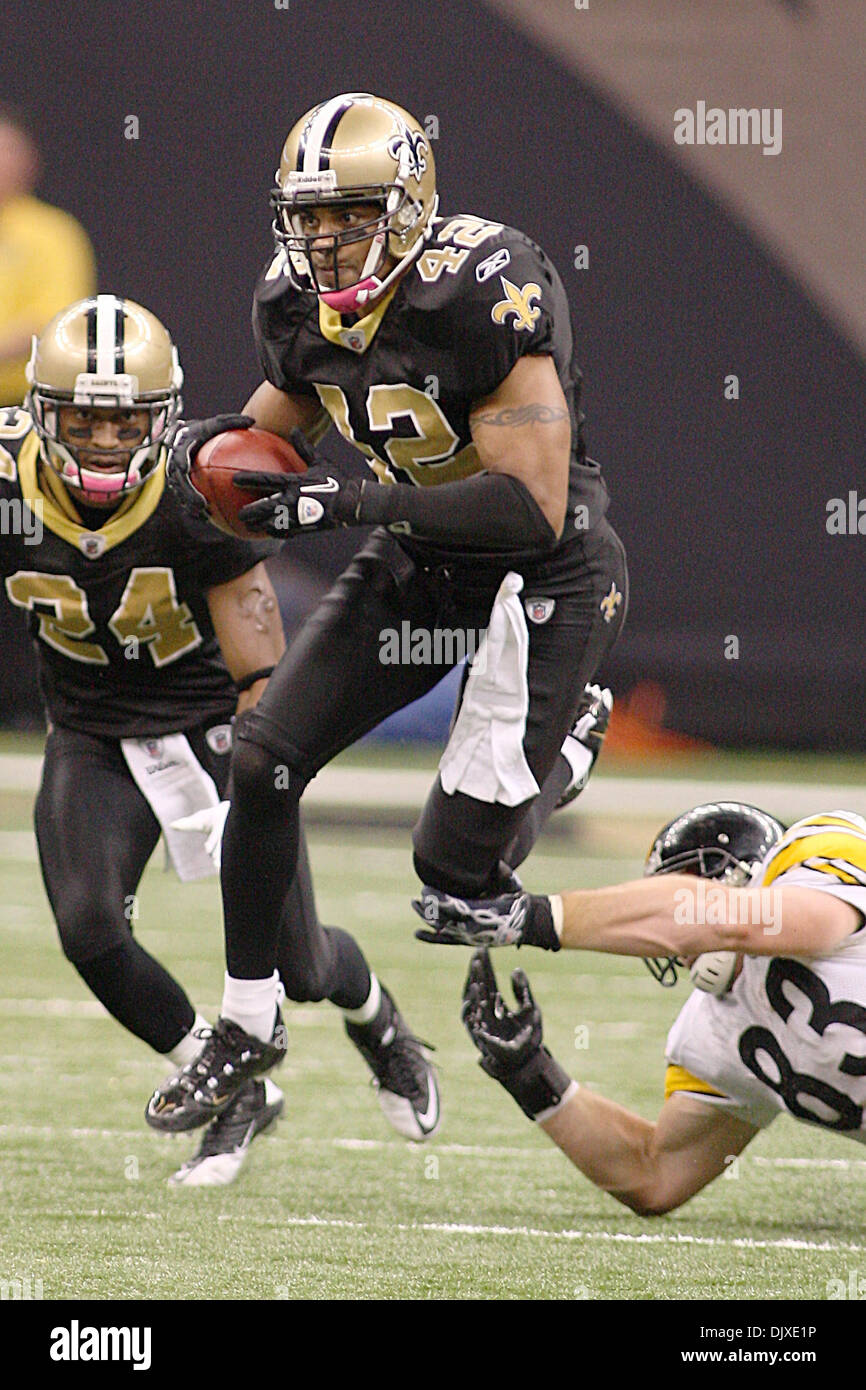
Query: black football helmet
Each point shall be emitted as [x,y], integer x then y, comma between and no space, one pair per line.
[722,840]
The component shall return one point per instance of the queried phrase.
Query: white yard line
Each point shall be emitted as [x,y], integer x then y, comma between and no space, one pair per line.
[491,1151]
[673,1238]
[611,1237]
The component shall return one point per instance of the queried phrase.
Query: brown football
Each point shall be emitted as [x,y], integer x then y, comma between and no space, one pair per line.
[236,451]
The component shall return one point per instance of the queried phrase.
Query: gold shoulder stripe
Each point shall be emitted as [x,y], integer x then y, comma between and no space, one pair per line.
[834,845]
[678,1079]
[45,494]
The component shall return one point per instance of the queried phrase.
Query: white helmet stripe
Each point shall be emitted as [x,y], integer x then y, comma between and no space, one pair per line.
[322,128]
[106,334]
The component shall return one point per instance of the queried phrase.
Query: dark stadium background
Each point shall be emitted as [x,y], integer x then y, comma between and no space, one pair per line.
[722,504]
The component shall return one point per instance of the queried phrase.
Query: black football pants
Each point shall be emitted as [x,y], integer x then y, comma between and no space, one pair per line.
[333,685]
[96,832]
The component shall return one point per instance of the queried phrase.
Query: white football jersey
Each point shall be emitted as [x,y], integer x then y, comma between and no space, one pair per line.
[791,1033]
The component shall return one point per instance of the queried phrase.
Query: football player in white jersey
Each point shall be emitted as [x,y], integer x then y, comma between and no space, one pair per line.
[773,936]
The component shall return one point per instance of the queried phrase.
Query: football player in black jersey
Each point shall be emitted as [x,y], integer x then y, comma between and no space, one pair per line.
[151,629]
[441,347]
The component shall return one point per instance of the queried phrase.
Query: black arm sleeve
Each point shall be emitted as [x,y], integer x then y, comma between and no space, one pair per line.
[490,511]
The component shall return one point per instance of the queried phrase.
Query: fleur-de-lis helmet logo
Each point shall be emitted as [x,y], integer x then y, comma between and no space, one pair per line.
[408,149]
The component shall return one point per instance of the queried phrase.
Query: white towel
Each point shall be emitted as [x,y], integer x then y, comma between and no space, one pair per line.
[484,757]
[171,778]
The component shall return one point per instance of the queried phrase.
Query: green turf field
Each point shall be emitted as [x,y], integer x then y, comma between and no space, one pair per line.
[333,1204]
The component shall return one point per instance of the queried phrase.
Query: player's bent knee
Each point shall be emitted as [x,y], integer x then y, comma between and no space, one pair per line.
[84,937]
[261,778]
[426,870]
[443,878]
[309,988]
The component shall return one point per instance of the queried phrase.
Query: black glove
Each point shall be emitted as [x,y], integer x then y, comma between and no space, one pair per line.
[183,444]
[510,1041]
[513,919]
[299,503]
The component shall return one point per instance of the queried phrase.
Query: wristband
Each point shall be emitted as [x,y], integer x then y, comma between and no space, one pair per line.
[538,1086]
[260,675]
[539,928]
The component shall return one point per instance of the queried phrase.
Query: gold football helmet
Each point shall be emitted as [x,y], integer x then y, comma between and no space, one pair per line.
[103,353]
[356,148]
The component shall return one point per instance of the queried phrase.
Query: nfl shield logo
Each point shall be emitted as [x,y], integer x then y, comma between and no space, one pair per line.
[152,747]
[91,545]
[538,610]
[354,340]
[219,738]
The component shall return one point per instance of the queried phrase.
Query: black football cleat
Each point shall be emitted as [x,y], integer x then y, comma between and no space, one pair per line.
[223,1149]
[403,1077]
[583,742]
[203,1088]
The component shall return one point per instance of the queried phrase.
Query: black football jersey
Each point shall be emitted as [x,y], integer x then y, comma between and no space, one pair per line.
[400,383]
[119,614]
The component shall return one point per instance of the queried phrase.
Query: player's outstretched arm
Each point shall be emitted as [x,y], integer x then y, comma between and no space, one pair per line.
[650,1168]
[664,915]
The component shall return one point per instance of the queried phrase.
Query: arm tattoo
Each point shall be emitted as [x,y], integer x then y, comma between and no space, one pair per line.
[534,414]
[258,608]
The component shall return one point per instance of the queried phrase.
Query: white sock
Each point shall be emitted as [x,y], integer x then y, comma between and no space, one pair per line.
[579,759]
[189,1046]
[369,1010]
[252,1004]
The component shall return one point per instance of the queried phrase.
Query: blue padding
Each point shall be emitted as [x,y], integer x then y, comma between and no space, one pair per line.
[428,719]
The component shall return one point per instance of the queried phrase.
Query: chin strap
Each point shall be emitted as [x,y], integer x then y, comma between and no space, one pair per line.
[355,297]
[369,287]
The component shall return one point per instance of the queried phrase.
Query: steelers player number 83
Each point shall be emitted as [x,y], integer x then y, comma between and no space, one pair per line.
[759,1045]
